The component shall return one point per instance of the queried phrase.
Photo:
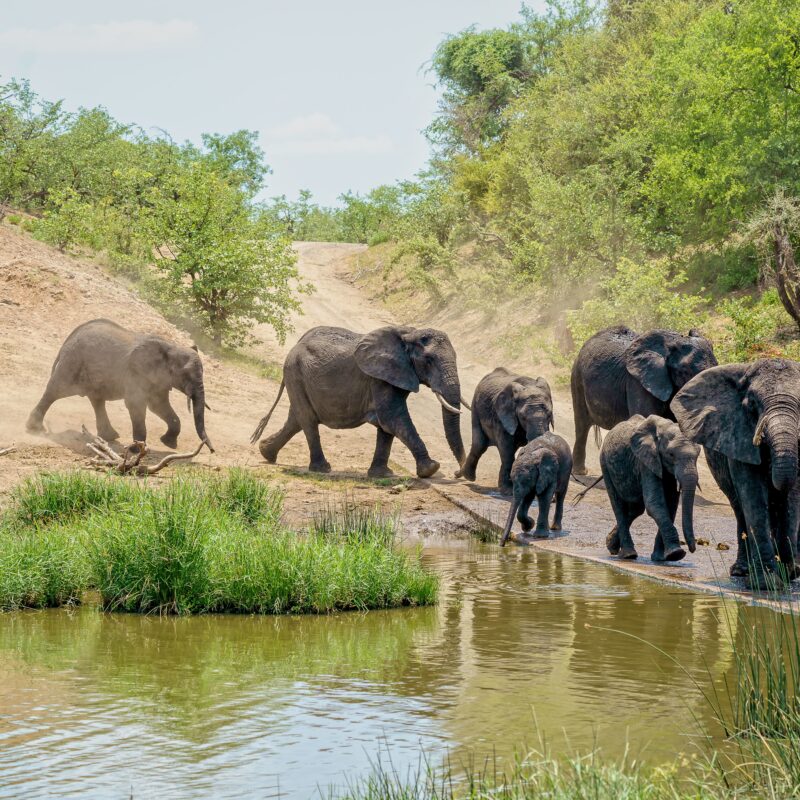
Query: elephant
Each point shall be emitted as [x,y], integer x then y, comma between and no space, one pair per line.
[104,361]
[541,471]
[746,416]
[619,373]
[508,410]
[647,465]
[342,379]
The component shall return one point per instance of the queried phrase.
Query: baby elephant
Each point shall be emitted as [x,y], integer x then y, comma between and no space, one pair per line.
[541,470]
[508,410]
[646,465]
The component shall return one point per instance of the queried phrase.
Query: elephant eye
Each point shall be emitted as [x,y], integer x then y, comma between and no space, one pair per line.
[425,341]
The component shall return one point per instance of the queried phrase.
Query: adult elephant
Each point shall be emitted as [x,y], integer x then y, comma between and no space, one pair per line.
[619,373]
[746,416]
[508,410]
[342,379]
[104,361]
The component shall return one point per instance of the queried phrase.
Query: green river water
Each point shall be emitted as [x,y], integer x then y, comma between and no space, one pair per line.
[524,645]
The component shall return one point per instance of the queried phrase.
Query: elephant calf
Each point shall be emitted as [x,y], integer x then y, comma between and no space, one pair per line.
[645,461]
[508,410]
[541,470]
[104,361]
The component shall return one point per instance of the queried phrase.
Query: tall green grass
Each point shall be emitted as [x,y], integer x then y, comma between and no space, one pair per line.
[196,544]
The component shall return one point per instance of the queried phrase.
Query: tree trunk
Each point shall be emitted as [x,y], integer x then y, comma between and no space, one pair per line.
[786,273]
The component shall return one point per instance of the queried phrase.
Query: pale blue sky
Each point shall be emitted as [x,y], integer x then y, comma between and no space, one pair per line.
[336,89]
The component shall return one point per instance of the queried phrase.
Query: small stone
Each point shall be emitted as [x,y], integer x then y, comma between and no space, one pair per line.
[723,546]
[703,542]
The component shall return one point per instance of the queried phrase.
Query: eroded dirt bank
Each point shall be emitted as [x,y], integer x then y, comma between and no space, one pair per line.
[44,295]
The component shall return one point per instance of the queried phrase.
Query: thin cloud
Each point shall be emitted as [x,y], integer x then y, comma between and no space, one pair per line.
[131,36]
[317,134]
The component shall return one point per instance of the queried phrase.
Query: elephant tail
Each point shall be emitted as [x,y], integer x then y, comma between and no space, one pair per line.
[578,497]
[598,437]
[264,420]
[509,522]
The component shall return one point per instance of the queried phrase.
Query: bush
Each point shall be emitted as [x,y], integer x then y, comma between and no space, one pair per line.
[750,327]
[197,545]
[642,296]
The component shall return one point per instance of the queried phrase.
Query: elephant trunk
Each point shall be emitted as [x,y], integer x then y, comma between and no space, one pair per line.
[687,480]
[451,392]
[780,431]
[198,399]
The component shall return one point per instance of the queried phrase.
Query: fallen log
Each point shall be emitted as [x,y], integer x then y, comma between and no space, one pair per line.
[129,461]
[6,450]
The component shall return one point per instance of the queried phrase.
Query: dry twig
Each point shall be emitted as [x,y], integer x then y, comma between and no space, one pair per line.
[129,461]
[5,451]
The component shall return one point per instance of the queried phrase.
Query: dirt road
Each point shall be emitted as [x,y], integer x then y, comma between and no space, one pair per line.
[44,295]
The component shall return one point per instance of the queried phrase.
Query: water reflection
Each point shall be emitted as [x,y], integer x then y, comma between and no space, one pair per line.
[101,705]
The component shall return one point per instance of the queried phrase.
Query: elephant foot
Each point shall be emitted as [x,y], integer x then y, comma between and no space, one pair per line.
[556,526]
[672,554]
[319,466]
[270,456]
[427,468]
[505,489]
[739,569]
[170,441]
[526,523]
[612,541]
[380,471]
[541,533]
[34,425]
[580,470]
[110,435]
[763,581]
[466,473]
[628,553]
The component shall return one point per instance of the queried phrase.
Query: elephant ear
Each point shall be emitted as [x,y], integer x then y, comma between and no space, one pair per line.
[505,406]
[710,411]
[382,354]
[644,443]
[148,362]
[646,360]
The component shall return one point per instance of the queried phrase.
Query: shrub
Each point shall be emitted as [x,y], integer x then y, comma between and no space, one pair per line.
[750,327]
[641,295]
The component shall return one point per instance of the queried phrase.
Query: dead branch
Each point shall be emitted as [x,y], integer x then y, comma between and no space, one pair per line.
[6,450]
[129,461]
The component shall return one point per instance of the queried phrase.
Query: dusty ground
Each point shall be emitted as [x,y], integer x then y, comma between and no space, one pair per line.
[44,295]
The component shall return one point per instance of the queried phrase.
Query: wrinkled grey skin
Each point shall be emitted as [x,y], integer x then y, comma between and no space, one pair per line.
[541,471]
[104,361]
[619,373]
[508,410]
[647,465]
[746,416]
[342,379]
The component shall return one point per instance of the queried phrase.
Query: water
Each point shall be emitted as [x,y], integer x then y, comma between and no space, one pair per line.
[524,646]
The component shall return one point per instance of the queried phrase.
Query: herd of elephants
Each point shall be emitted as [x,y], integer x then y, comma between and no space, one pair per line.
[661,394]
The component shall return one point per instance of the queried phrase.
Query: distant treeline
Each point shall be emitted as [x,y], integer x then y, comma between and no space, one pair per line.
[656,137]
[180,218]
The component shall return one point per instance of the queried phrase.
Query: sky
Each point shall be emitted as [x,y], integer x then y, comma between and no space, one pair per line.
[337,89]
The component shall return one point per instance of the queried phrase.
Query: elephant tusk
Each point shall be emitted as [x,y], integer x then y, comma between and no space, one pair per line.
[759,434]
[465,403]
[208,407]
[447,405]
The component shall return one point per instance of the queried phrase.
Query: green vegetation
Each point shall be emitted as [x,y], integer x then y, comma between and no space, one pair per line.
[195,545]
[614,160]
[181,219]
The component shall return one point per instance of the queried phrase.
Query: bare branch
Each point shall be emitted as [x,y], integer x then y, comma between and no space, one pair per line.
[6,450]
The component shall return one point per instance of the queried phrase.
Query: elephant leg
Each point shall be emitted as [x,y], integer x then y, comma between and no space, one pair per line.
[318,462]
[160,406]
[658,502]
[137,408]
[544,501]
[394,418]
[105,430]
[523,515]
[718,465]
[619,540]
[309,422]
[379,468]
[271,446]
[753,493]
[786,532]
[560,497]
[52,392]
[507,452]
[480,443]
[583,424]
